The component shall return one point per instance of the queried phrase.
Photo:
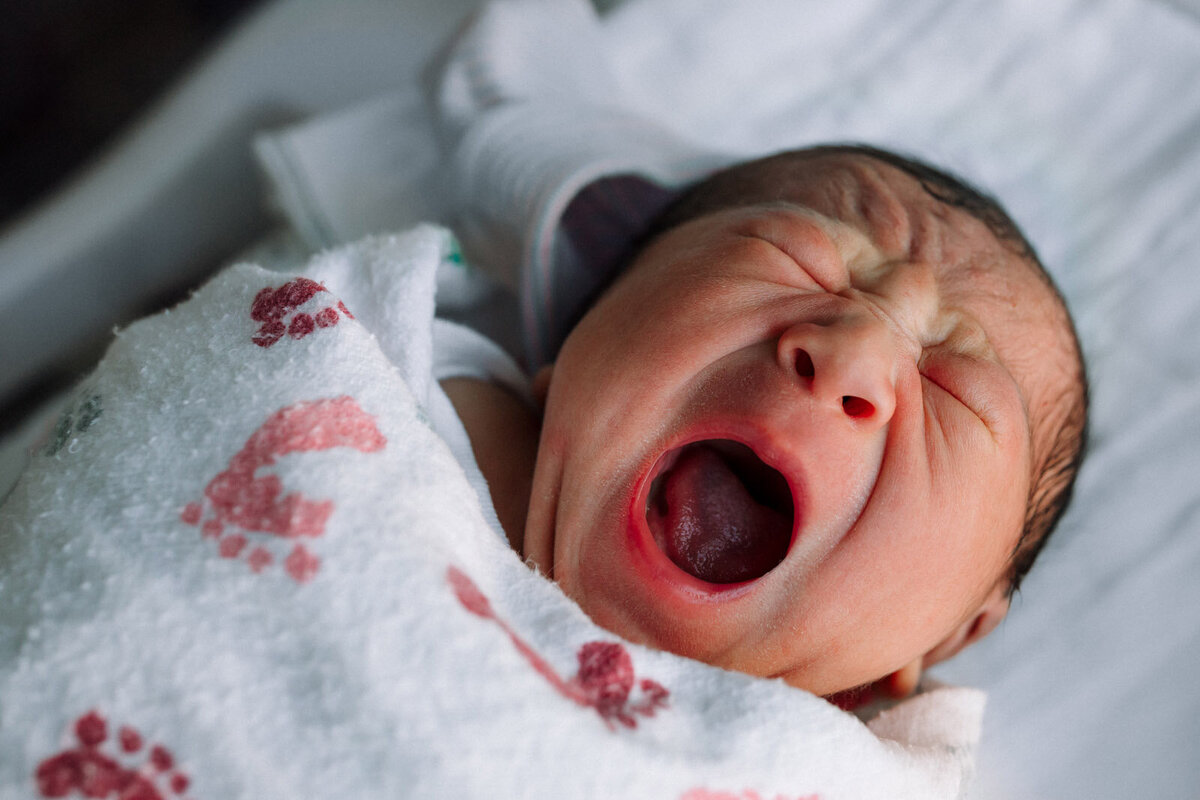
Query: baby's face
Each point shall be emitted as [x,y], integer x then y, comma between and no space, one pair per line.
[795,439]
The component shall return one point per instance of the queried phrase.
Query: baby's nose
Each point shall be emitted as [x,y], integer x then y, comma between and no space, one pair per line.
[849,365]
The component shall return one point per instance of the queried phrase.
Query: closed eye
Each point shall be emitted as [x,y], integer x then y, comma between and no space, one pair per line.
[982,387]
[959,379]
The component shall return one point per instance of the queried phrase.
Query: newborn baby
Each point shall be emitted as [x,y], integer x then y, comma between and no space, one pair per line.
[818,429]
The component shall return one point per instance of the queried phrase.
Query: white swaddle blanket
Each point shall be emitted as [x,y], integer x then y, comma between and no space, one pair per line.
[244,566]
[1082,116]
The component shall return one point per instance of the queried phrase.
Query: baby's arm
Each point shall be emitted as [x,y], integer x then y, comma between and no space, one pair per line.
[503,430]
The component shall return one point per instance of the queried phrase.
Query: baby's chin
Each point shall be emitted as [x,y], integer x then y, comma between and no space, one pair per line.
[684,564]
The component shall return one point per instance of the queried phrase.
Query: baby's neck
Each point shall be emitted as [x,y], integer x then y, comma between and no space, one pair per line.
[503,430]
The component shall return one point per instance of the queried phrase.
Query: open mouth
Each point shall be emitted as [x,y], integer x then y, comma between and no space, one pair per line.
[719,512]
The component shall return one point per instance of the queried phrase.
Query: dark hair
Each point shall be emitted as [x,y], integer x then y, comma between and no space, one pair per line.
[1054,483]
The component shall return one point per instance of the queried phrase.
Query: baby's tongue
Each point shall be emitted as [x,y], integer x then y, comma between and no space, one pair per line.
[706,520]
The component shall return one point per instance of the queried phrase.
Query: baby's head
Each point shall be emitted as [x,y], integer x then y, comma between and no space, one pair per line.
[819,428]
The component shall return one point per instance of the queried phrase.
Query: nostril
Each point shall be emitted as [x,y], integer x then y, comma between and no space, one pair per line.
[804,364]
[856,407]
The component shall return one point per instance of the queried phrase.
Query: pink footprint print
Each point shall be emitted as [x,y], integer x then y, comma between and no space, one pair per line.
[605,679]
[273,308]
[256,504]
[88,771]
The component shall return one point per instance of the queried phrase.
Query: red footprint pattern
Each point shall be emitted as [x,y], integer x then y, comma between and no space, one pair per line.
[605,679]
[86,770]
[272,307]
[256,504]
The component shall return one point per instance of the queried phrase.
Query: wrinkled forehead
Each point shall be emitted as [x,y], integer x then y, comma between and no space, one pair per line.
[905,222]
[897,212]
[994,281]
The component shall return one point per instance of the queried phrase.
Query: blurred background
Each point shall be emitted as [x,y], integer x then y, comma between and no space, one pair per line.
[73,75]
[73,72]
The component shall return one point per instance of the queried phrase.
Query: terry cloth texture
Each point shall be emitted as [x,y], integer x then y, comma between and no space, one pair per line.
[245,566]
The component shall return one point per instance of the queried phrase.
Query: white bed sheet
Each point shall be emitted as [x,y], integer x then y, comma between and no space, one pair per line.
[1096,149]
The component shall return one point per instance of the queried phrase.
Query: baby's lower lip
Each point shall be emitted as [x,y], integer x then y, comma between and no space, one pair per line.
[718,565]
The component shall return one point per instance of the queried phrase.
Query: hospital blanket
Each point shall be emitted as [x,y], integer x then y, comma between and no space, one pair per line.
[243,565]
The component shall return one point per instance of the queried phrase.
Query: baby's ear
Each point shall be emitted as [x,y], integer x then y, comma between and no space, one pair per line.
[541,384]
[990,614]
[903,681]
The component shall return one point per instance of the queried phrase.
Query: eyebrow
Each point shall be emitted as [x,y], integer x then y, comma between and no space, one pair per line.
[1052,485]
